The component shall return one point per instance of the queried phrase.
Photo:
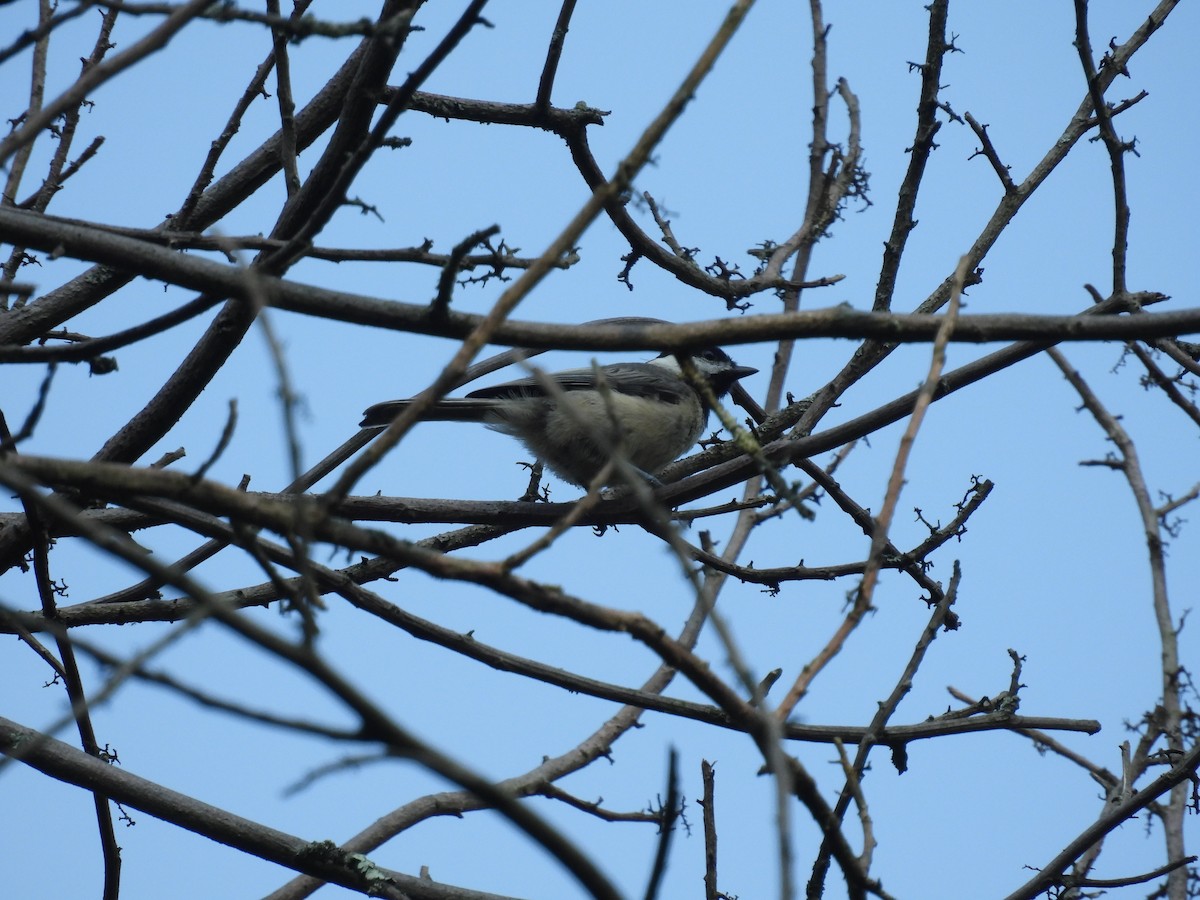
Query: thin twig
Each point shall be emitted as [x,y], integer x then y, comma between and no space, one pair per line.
[287,106]
[554,54]
[989,151]
[708,804]
[1171,716]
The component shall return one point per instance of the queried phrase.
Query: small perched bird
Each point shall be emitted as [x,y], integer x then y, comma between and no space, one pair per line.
[574,420]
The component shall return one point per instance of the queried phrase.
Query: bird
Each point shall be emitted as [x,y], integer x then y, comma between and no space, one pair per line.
[576,420]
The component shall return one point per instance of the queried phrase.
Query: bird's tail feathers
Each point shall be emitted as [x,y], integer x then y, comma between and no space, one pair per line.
[454,410]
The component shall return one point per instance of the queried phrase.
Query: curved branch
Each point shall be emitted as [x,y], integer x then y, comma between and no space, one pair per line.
[317,858]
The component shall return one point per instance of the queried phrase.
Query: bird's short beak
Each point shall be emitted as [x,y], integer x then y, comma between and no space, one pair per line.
[742,371]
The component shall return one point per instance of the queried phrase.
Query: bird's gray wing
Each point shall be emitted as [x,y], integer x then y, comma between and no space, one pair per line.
[632,379]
